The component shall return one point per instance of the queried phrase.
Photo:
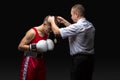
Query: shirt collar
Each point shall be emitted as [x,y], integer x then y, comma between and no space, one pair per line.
[81,20]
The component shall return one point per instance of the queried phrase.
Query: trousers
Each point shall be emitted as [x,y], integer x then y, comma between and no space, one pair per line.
[82,66]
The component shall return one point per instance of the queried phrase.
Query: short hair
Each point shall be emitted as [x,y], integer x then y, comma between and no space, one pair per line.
[56,21]
[46,20]
[79,8]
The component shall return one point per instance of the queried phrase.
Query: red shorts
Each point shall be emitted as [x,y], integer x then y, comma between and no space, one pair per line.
[33,69]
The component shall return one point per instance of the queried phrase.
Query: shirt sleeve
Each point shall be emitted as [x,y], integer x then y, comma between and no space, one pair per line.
[71,30]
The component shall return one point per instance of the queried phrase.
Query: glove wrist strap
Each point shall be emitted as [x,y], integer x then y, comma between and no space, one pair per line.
[32,47]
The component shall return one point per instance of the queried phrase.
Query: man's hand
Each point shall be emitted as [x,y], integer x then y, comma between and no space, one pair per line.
[51,19]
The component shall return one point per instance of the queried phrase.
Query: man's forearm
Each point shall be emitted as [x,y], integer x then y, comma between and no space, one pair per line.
[55,29]
[66,23]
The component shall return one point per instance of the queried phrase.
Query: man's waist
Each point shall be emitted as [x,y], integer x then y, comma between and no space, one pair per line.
[34,54]
[82,54]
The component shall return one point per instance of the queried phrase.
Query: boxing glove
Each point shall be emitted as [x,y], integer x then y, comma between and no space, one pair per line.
[50,44]
[40,46]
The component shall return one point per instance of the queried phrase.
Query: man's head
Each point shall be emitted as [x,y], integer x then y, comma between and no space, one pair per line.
[47,25]
[77,11]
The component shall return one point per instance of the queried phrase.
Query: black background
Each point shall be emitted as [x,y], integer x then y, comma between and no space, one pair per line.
[18,16]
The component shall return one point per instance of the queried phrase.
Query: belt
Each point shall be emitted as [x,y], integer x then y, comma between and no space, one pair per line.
[40,55]
[34,54]
[82,54]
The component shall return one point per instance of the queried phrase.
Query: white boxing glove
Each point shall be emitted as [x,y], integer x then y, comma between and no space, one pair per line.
[42,46]
[39,46]
[50,44]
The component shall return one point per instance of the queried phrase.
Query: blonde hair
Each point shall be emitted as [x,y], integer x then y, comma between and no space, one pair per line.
[79,8]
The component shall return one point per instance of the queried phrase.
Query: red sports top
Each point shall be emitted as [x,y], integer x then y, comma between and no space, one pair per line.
[38,37]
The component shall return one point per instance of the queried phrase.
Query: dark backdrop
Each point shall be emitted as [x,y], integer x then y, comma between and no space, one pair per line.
[18,16]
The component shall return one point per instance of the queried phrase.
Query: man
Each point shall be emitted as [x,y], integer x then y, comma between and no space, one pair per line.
[81,42]
[34,44]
